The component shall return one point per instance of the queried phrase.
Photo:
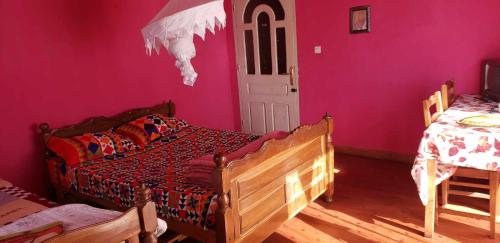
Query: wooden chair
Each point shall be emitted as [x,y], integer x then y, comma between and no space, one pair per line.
[467,173]
[429,118]
[433,100]
[448,94]
[469,182]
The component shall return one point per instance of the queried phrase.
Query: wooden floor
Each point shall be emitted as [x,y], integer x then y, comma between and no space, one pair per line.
[375,201]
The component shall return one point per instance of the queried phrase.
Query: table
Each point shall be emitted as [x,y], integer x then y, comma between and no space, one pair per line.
[446,145]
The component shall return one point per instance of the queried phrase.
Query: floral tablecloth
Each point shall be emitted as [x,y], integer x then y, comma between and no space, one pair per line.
[452,144]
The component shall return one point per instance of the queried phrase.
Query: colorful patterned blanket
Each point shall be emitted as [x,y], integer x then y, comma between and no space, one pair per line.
[161,166]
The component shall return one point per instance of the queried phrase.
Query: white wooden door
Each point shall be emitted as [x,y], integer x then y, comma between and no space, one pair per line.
[266,53]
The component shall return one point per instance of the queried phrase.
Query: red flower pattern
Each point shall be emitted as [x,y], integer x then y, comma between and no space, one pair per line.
[453,151]
[483,145]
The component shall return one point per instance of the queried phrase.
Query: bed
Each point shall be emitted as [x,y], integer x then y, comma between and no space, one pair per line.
[248,198]
[26,217]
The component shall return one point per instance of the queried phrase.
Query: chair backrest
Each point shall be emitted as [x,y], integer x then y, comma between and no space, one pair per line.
[434,99]
[448,93]
[125,228]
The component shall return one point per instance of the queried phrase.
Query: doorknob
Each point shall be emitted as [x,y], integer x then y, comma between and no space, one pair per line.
[292,75]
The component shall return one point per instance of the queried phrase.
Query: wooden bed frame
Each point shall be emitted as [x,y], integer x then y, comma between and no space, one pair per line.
[138,220]
[257,193]
[128,227]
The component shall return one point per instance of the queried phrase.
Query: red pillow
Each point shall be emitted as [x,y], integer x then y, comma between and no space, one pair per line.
[36,235]
[147,129]
[90,146]
[70,150]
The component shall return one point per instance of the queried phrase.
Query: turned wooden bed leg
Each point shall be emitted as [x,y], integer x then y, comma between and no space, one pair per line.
[147,214]
[329,160]
[224,224]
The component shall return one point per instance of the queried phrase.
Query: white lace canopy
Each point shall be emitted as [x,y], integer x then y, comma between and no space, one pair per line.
[175,26]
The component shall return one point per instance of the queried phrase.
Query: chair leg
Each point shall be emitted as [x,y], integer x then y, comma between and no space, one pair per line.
[445,186]
[494,194]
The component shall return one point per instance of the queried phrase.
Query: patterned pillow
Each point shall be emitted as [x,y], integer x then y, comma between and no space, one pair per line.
[90,146]
[148,128]
[174,125]
[113,143]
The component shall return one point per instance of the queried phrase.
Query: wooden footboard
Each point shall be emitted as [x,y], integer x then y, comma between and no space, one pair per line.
[264,189]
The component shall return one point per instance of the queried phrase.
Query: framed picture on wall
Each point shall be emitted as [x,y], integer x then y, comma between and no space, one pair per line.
[360,19]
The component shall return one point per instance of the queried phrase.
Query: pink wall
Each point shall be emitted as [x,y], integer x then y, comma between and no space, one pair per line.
[373,83]
[63,61]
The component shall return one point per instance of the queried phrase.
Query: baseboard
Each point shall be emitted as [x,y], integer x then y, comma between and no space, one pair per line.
[375,154]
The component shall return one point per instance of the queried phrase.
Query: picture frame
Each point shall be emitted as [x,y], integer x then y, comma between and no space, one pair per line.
[360,19]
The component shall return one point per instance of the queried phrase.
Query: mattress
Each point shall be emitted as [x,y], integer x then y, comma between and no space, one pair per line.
[162,166]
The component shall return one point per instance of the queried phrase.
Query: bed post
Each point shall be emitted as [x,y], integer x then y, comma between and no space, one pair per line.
[171,108]
[224,215]
[329,158]
[44,127]
[147,214]
[46,133]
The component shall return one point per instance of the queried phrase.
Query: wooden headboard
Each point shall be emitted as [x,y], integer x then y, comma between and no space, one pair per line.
[102,123]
